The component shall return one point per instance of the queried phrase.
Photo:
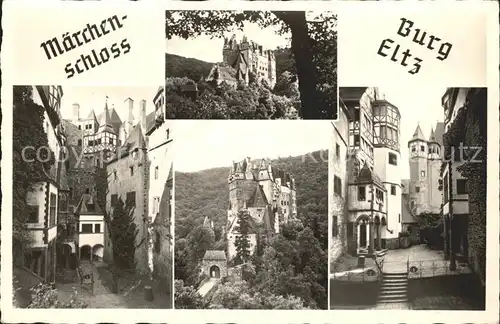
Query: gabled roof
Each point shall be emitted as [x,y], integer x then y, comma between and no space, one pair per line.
[88,206]
[418,135]
[150,122]
[216,255]
[134,141]
[258,198]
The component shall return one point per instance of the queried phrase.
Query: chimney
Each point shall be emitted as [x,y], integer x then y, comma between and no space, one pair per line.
[129,103]
[142,105]
[76,111]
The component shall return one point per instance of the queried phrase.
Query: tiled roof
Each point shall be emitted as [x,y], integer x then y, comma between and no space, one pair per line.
[215,255]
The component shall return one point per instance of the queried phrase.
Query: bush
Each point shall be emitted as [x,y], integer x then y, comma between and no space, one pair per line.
[44,296]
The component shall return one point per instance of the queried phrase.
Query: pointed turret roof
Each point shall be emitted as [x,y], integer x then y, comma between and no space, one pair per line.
[438,133]
[105,120]
[92,115]
[367,176]
[432,137]
[88,205]
[418,135]
[258,198]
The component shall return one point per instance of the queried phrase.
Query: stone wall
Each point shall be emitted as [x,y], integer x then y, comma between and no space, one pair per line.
[207,264]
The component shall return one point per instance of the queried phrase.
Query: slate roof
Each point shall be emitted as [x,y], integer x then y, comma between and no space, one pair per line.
[218,255]
[367,176]
[105,120]
[258,198]
[134,141]
[418,135]
[88,206]
[439,132]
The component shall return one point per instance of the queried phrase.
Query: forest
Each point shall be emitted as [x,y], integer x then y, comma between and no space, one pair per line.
[288,271]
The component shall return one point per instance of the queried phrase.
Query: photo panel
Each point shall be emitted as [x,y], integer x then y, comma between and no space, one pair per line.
[409,201]
[251,227]
[249,64]
[93,186]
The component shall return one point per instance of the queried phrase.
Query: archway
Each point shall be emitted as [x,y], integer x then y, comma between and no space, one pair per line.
[97,252]
[85,252]
[363,231]
[214,272]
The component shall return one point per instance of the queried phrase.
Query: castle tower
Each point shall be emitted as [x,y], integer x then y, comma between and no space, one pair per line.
[419,181]
[434,170]
[106,136]
[386,124]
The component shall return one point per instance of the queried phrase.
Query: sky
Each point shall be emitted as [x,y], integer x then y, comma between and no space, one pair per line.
[417,106]
[94,98]
[210,50]
[206,144]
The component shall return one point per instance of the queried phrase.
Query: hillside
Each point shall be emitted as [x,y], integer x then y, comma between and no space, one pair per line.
[179,66]
[205,193]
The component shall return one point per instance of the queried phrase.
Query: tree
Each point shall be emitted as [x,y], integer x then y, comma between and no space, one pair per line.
[242,242]
[186,297]
[123,234]
[28,139]
[199,240]
[307,37]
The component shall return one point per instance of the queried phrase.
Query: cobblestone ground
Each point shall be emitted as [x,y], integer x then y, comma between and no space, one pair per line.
[131,295]
[444,302]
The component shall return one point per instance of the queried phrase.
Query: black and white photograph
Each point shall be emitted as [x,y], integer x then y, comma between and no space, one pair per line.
[92,198]
[223,64]
[251,227]
[408,209]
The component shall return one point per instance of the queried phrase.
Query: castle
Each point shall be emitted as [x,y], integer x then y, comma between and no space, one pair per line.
[425,163]
[242,58]
[266,192]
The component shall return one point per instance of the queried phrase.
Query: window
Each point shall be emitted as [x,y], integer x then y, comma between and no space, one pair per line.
[86,228]
[334,226]
[361,193]
[356,140]
[413,149]
[111,140]
[393,159]
[32,214]
[422,173]
[337,151]
[52,209]
[87,190]
[417,189]
[114,200]
[168,133]
[71,193]
[337,186]
[130,200]
[356,114]
[379,195]
[91,143]
[393,190]
[97,228]
[79,127]
[461,186]
[115,174]
[131,171]
[156,172]
[79,142]
[422,148]
[156,205]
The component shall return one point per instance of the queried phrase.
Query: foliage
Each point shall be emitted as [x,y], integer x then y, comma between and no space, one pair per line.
[44,296]
[178,67]
[238,295]
[123,234]
[28,131]
[242,242]
[186,297]
[313,44]
[223,101]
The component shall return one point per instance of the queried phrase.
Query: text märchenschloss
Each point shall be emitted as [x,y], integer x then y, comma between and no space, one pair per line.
[69,41]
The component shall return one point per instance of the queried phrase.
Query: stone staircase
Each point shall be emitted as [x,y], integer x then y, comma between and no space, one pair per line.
[394,288]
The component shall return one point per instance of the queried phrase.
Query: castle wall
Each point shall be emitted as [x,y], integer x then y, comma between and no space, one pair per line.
[137,183]
[239,192]
[435,195]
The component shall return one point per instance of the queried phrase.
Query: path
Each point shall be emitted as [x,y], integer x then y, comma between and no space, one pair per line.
[101,298]
[207,286]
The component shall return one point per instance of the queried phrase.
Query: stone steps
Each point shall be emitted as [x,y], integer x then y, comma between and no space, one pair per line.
[394,288]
